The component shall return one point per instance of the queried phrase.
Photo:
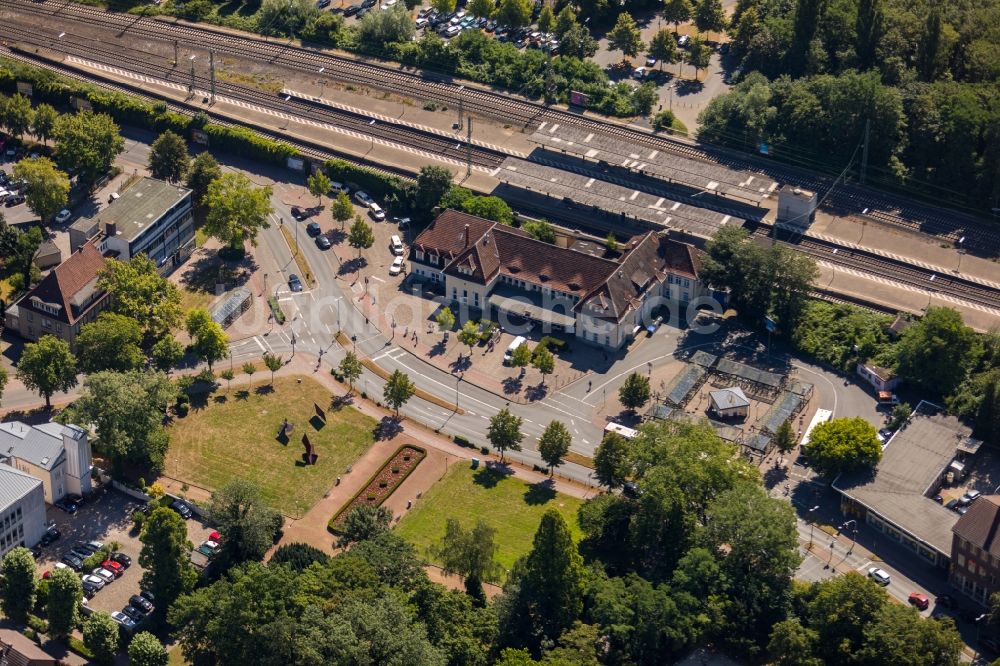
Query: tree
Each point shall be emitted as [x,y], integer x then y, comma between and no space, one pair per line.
[44,122]
[228,375]
[17,593]
[319,184]
[237,210]
[363,523]
[521,357]
[546,19]
[210,342]
[612,465]
[625,37]
[167,570]
[100,635]
[360,236]
[18,115]
[551,587]
[273,362]
[504,433]
[443,6]
[138,291]
[88,142]
[565,19]
[544,361]
[514,13]
[709,16]
[987,415]
[127,411]
[146,650]
[445,320]
[19,249]
[676,12]
[490,208]
[663,47]
[432,184]
[807,17]
[869,29]
[168,157]
[611,243]
[398,389]
[577,41]
[699,55]
[298,556]
[342,209]
[248,370]
[279,17]
[389,26]
[63,603]
[554,444]
[111,342]
[469,335]
[166,353]
[47,366]
[540,230]
[784,439]
[47,187]
[203,172]
[239,511]
[470,554]
[842,445]
[350,368]
[480,9]
[634,392]
[938,351]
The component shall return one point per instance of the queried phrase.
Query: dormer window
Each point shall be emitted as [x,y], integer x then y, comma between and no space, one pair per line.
[49,308]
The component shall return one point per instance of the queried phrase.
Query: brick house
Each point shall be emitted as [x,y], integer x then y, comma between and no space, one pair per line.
[975,550]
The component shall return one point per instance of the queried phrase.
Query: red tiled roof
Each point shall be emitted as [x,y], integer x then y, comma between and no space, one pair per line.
[446,234]
[64,282]
[981,524]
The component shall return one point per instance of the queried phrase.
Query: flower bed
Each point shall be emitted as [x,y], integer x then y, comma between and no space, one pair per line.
[383,483]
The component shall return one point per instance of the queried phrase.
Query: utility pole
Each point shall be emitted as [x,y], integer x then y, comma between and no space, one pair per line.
[468,150]
[176,46]
[211,71]
[460,106]
[191,85]
[864,153]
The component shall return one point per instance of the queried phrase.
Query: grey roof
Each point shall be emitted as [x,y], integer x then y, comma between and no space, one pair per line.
[15,484]
[904,482]
[141,205]
[729,398]
[40,445]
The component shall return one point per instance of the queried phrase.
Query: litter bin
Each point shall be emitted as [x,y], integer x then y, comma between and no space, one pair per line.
[475,463]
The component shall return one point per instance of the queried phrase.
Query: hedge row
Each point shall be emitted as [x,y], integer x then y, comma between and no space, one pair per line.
[421,451]
[377,184]
[127,109]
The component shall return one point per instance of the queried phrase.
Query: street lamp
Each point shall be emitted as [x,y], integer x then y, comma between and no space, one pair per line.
[458,380]
[812,524]
[854,533]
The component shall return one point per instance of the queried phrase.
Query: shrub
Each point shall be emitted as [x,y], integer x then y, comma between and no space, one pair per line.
[156,490]
[77,646]
[37,624]
[182,409]
[462,441]
[485,450]
[377,184]
[555,345]
[279,316]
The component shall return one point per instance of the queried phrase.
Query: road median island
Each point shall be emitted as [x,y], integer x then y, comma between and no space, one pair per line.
[300,259]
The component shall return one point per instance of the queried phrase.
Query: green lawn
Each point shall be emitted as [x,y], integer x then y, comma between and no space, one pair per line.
[236,437]
[514,508]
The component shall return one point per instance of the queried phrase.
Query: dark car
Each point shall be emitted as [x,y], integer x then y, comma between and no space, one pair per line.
[142,603]
[182,508]
[294,283]
[72,561]
[51,536]
[322,242]
[133,613]
[298,213]
[946,601]
[90,589]
[352,10]
[148,596]
[313,229]
[122,559]
[76,500]
[66,506]
[322,4]
[80,552]
[36,551]
[14,200]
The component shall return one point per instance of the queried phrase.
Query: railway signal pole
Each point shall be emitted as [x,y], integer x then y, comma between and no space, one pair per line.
[211,70]
[468,150]
[176,56]
[461,89]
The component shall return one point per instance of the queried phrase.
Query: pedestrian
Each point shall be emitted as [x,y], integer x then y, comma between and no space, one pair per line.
[590,383]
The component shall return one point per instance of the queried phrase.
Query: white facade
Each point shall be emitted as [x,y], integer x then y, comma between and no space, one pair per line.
[22,510]
[58,455]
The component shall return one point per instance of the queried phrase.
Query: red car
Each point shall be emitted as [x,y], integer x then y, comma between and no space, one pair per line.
[113,567]
[919,600]
[215,536]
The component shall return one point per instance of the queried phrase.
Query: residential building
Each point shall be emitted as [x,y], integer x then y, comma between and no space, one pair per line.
[65,300]
[151,217]
[729,403]
[56,454]
[576,287]
[881,379]
[22,509]
[898,499]
[16,649]
[975,550]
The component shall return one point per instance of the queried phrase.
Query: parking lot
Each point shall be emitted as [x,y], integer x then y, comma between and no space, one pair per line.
[106,517]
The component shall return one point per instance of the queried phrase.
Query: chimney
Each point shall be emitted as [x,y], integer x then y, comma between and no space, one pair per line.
[466,235]
[110,229]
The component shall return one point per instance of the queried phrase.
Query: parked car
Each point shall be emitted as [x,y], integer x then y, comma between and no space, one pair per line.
[969,497]
[14,200]
[180,506]
[322,242]
[919,600]
[132,612]
[683,41]
[63,216]
[397,266]
[639,74]
[362,198]
[51,536]
[115,568]
[123,619]
[336,188]
[89,588]
[104,573]
[97,581]
[122,559]
[78,551]
[879,576]
[952,504]
[295,284]
[68,507]
[313,229]
[72,561]
[148,596]
[376,212]
[298,213]
[402,223]
[142,603]
[208,548]
[651,61]
[352,10]
[322,4]
[94,546]
[396,245]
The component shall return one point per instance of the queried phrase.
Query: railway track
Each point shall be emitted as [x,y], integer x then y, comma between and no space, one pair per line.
[980,236]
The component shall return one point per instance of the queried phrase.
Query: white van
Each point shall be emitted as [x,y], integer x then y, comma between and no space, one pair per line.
[376,212]
[617,428]
[515,343]
[396,245]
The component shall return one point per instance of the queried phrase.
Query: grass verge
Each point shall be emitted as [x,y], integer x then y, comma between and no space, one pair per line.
[235,436]
[511,506]
[579,459]
[300,259]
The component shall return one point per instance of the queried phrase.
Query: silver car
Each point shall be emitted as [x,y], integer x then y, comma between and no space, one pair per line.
[879,576]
